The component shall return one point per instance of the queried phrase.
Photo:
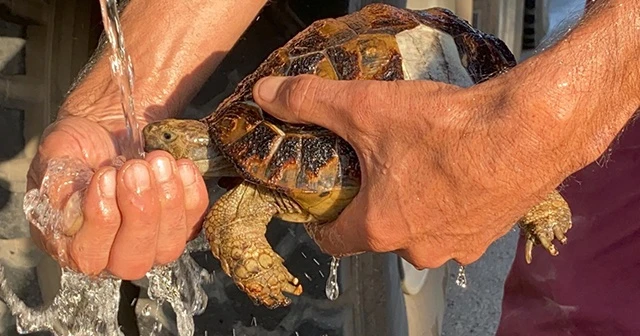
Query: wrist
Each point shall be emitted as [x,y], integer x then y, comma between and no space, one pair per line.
[507,124]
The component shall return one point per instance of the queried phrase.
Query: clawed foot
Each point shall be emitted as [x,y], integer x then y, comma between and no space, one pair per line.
[262,275]
[235,227]
[545,222]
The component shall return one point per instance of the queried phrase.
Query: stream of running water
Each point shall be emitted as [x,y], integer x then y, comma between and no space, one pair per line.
[89,305]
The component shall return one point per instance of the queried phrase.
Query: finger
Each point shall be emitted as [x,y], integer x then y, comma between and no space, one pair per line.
[134,247]
[421,256]
[310,99]
[92,243]
[172,226]
[196,199]
[344,236]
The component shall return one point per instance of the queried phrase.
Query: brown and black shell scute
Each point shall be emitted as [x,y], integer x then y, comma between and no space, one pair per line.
[357,46]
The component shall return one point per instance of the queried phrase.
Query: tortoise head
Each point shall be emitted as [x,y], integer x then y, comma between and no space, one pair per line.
[183,139]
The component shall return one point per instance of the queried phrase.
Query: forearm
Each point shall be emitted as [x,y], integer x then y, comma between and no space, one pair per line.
[174,47]
[580,93]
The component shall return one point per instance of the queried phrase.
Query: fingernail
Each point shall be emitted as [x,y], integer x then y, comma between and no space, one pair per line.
[72,214]
[162,169]
[107,183]
[187,174]
[137,178]
[268,88]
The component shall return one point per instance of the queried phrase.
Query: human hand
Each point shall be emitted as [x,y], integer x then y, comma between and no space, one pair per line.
[445,170]
[128,219]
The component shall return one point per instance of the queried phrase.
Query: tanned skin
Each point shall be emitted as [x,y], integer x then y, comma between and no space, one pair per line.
[174,46]
[453,169]
[445,176]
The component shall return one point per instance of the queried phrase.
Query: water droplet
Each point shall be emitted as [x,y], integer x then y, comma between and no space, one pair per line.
[332,290]
[461,279]
[304,255]
[316,261]
[307,276]
[254,322]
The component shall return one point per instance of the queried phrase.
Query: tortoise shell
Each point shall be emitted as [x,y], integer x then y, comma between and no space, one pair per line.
[380,42]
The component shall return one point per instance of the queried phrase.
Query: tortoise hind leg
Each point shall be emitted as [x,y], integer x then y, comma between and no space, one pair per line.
[235,227]
[544,222]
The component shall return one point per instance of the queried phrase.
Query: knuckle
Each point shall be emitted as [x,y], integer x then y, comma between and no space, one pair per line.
[165,256]
[470,257]
[364,101]
[421,259]
[89,266]
[378,236]
[376,244]
[376,240]
[196,200]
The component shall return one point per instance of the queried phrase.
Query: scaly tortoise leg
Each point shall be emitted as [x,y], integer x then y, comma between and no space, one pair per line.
[544,222]
[235,227]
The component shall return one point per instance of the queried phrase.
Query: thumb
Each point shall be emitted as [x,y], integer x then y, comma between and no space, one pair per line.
[308,99]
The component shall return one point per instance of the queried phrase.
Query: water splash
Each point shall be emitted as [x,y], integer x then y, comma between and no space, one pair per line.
[461,279]
[89,305]
[122,73]
[180,284]
[332,290]
[73,311]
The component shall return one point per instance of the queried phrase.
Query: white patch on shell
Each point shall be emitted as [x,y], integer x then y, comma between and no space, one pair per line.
[428,53]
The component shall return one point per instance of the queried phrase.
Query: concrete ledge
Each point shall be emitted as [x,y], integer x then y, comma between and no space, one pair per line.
[14,172]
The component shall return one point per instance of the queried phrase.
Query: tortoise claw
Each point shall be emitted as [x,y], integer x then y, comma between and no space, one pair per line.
[545,222]
[528,250]
[560,235]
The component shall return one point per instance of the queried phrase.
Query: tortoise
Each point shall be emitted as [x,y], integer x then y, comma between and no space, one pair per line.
[305,173]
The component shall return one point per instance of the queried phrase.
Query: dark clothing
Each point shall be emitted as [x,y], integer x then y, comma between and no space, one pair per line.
[593,286]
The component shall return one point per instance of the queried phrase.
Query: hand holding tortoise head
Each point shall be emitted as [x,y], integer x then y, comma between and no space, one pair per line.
[128,219]
[143,213]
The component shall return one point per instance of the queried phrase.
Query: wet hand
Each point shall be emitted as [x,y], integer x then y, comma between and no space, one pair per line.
[129,218]
[445,170]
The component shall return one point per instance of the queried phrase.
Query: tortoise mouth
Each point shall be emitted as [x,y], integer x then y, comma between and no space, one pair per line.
[205,166]
[213,164]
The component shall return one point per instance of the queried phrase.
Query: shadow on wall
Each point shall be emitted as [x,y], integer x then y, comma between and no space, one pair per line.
[12,62]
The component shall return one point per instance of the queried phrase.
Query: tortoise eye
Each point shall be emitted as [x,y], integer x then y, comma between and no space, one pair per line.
[167,136]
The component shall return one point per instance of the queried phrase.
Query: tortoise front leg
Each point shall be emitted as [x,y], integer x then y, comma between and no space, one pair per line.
[235,227]
[544,222]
